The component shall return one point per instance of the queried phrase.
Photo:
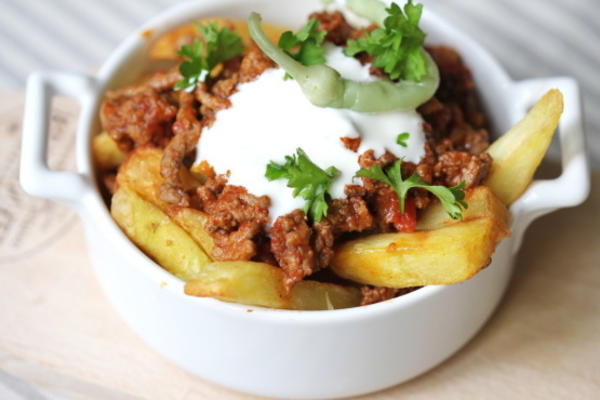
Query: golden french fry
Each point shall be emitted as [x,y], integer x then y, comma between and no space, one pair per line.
[149,222]
[313,295]
[481,203]
[260,284]
[107,154]
[157,235]
[193,222]
[438,257]
[167,45]
[141,173]
[519,152]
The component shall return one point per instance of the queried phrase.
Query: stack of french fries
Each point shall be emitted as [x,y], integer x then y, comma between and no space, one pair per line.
[442,251]
[175,238]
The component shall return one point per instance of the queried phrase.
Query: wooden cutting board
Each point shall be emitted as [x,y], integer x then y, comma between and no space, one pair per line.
[59,334]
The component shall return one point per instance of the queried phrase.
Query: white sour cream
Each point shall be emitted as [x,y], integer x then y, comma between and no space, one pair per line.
[270,118]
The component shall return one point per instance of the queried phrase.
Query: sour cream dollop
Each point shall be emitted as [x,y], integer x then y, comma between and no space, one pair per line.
[270,118]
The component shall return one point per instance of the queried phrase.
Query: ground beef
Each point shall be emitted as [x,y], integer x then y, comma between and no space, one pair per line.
[351,144]
[368,159]
[454,167]
[301,250]
[383,201]
[386,208]
[226,87]
[186,129]
[446,124]
[160,81]
[372,187]
[208,193]
[438,117]
[348,215]
[344,215]
[263,250]
[209,100]
[455,112]
[141,114]
[210,103]
[291,246]
[164,80]
[235,219]
[371,295]
[456,127]
[231,67]
[137,120]
[457,85]
[226,83]
[337,28]
[254,63]
[323,242]
[476,141]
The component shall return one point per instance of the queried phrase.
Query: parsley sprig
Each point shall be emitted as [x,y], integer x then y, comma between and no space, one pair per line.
[402,138]
[397,47]
[307,179]
[452,199]
[202,56]
[306,45]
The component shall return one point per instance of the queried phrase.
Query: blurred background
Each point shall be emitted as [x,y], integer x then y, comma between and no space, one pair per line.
[533,38]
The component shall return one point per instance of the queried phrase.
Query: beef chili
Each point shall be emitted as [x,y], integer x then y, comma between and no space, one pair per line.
[157,113]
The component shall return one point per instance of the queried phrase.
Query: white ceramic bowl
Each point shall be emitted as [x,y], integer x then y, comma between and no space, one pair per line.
[292,354]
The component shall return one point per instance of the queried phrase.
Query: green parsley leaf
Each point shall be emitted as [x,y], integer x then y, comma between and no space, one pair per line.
[218,45]
[452,199]
[306,45]
[397,46]
[307,179]
[402,138]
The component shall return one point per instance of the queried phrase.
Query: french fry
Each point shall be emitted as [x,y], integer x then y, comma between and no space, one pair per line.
[166,46]
[157,235]
[443,256]
[313,295]
[482,203]
[518,153]
[260,284]
[141,172]
[150,222]
[107,154]
[193,222]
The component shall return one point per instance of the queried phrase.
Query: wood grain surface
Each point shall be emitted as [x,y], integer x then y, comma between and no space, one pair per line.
[58,332]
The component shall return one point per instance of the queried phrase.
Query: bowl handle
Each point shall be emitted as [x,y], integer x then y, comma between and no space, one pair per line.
[36,178]
[572,187]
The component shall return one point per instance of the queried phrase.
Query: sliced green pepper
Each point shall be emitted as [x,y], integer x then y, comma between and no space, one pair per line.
[325,87]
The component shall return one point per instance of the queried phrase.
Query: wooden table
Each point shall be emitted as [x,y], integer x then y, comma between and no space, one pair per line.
[58,332]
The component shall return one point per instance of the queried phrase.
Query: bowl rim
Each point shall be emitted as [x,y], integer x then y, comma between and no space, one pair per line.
[97,208]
